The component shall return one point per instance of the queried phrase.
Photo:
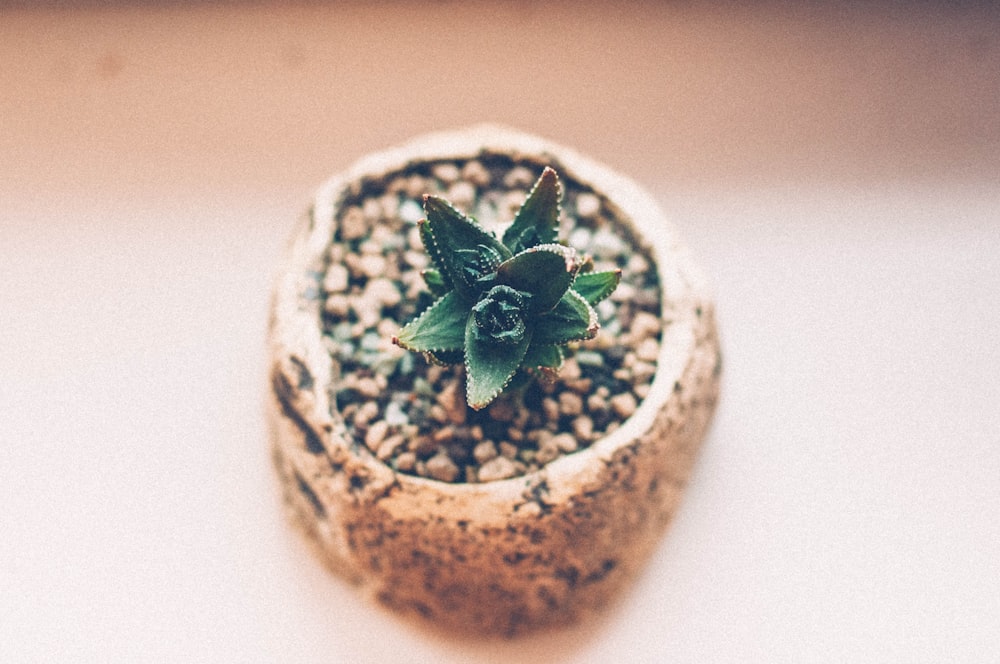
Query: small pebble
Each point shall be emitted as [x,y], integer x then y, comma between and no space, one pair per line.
[565,442]
[441,467]
[583,428]
[376,434]
[422,445]
[570,403]
[411,212]
[367,387]
[461,194]
[519,176]
[443,435]
[452,400]
[643,372]
[485,451]
[337,305]
[476,173]
[365,413]
[395,415]
[597,403]
[623,404]
[372,265]
[498,468]
[336,279]
[353,225]
[406,461]
[550,409]
[580,238]
[390,446]
[446,172]
[548,450]
[587,205]
[645,324]
[384,292]
[501,410]
[416,186]
[508,450]
[648,350]
[372,209]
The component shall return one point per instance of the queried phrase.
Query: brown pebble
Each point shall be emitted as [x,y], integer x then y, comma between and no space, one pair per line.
[367,387]
[452,400]
[548,450]
[502,410]
[337,305]
[583,428]
[423,445]
[406,461]
[498,468]
[446,172]
[565,442]
[461,194]
[508,450]
[476,173]
[519,176]
[441,467]
[623,404]
[570,403]
[365,413]
[645,324]
[376,434]
[642,372]
[597,403]
[485,451]
[648,350]
[550,409]
[353,224]
[390,446]
[443,435]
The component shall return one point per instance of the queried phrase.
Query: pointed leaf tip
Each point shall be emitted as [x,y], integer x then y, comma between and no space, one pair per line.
[537,222]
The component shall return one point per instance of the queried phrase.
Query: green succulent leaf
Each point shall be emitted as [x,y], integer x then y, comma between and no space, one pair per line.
[445,357]
[572,319]
[544,272]
[548,356]
[434,253]
[595,286]
[440,328]
[489,365]
[435,281]
[462,250]
[537,222]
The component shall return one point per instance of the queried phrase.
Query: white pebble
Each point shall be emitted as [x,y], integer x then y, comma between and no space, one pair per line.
[588,205]
[336,279]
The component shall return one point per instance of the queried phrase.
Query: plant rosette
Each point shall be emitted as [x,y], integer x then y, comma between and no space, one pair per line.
[520,473]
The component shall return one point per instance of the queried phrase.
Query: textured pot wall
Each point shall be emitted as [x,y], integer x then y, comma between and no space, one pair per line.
[511,555]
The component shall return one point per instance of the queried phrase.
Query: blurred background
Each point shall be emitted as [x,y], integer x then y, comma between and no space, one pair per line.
[835,168]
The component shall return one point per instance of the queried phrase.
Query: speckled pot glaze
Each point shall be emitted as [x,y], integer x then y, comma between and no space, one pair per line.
[506,556]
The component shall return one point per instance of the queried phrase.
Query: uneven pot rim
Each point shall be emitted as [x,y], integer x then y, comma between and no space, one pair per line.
[296,326]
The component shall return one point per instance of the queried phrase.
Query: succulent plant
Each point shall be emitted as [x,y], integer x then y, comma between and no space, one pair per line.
[509,306]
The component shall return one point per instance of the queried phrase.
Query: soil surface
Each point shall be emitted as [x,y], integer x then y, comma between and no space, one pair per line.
[412,414]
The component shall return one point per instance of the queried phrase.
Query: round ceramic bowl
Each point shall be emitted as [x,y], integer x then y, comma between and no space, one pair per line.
[507,556]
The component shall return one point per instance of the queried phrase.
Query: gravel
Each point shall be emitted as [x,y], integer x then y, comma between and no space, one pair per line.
[412,414]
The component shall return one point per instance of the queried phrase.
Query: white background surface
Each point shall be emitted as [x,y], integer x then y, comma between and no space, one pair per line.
[835,170]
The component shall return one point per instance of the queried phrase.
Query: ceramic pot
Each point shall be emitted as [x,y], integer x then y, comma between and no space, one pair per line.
[506,556]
